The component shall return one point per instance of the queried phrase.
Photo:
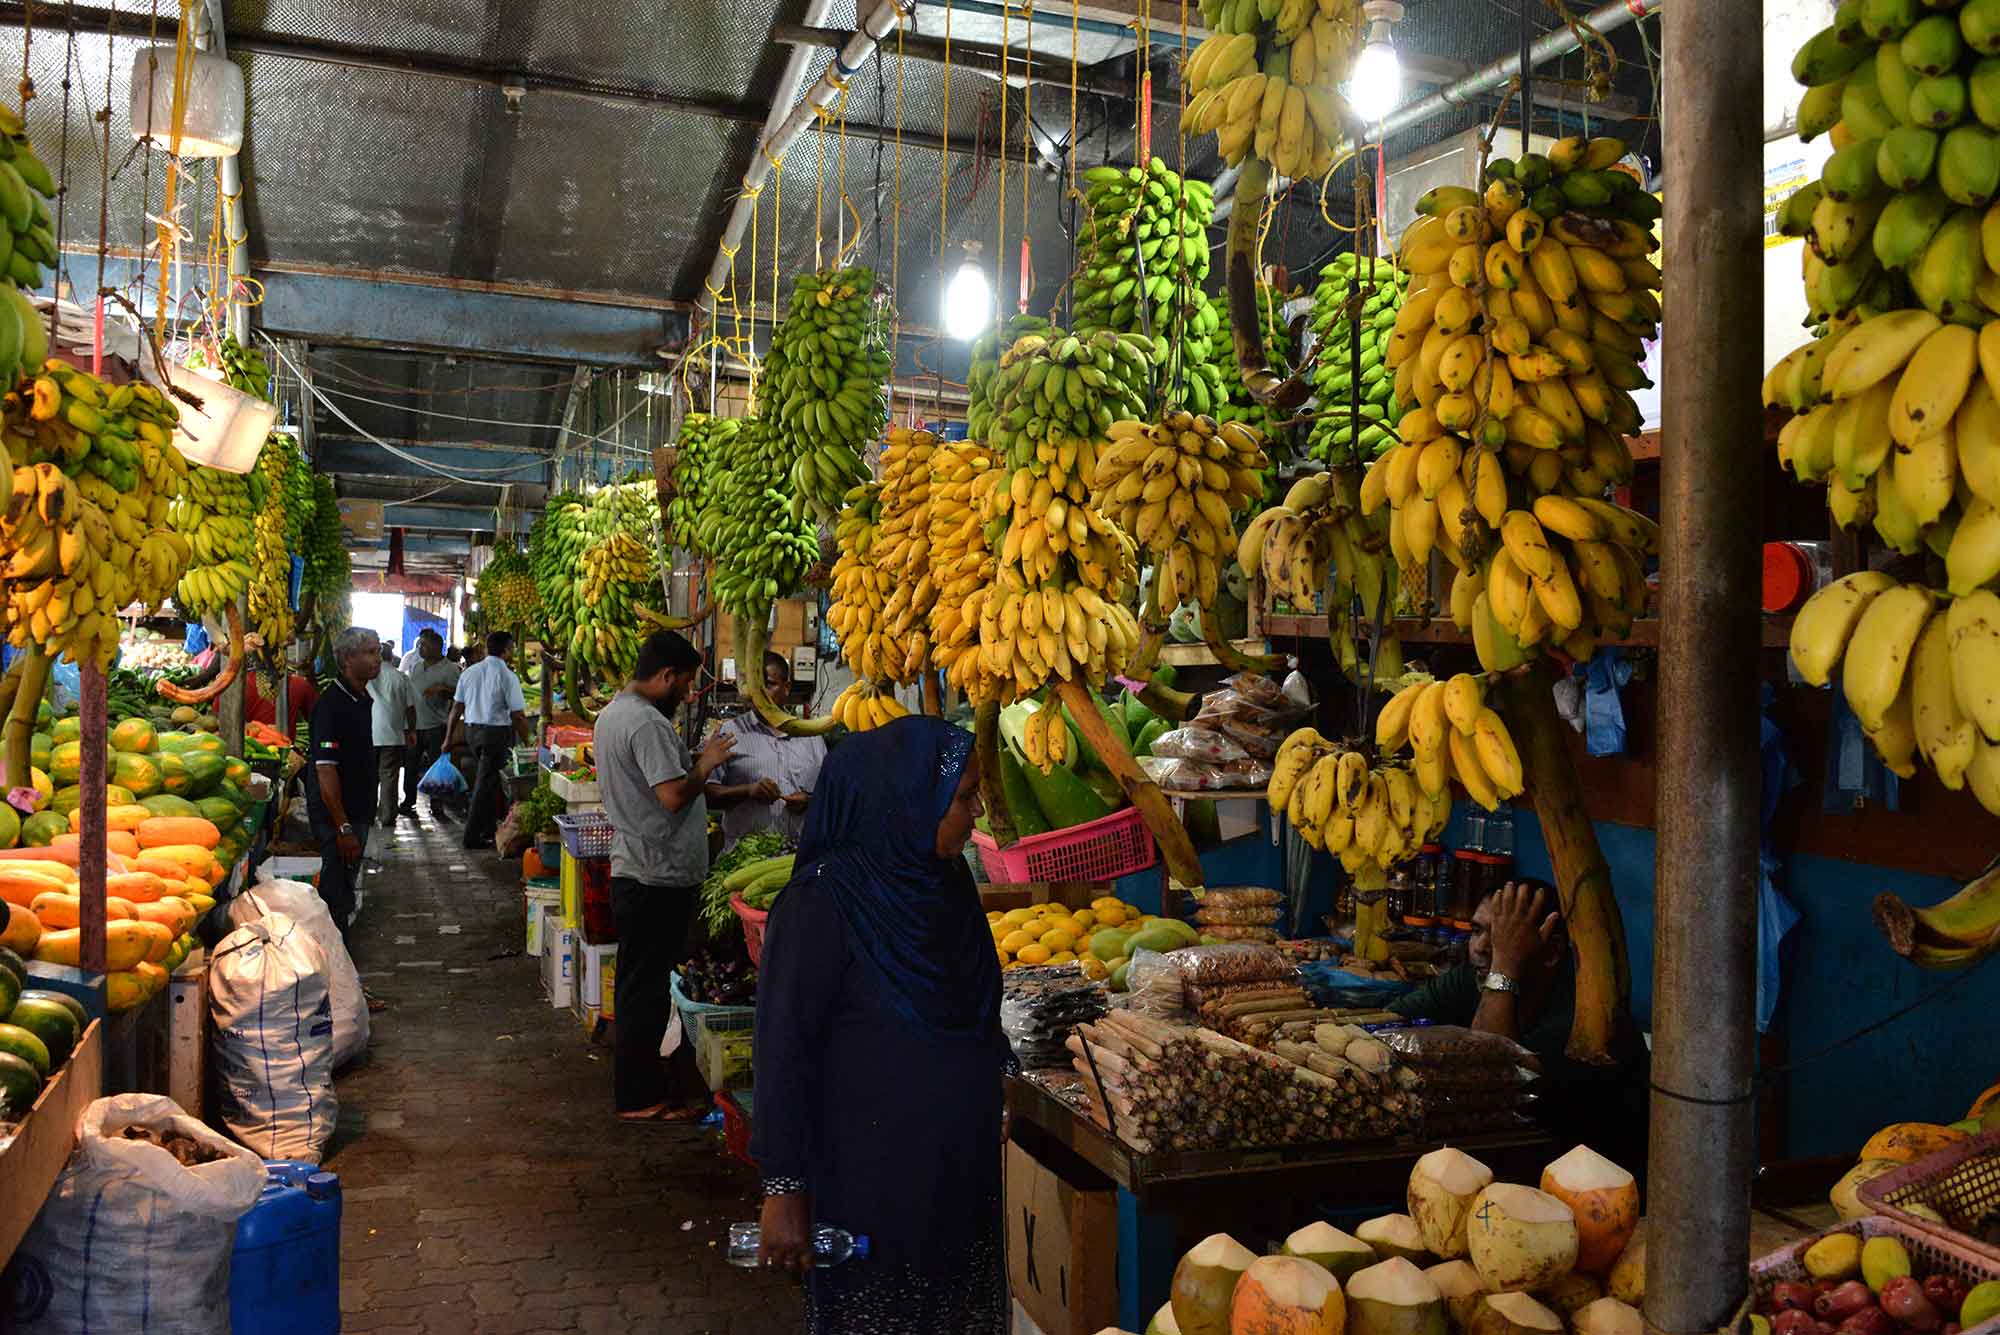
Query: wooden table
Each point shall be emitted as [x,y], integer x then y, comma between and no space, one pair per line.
[31,1162]
[1167,1201]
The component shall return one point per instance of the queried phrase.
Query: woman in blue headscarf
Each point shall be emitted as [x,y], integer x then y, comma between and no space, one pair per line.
[879,1051]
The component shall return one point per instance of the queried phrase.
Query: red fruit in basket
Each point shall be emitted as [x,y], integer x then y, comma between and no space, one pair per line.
[1793,1321]
[1950,1328]
[1946,1292]
[1870,1320]
[1903,1298]
[1843,1301]
[1791,1294]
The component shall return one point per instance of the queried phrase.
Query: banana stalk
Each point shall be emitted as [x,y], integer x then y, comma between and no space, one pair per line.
[1235,659]
[573,688]
[1954,934]
[1168,832]
[992,791]
[1371,913]
[230,671]
[19,733]
[10,687]
[694,618]
[1174,706]
[1583,878]
[1264,385]
[751,638]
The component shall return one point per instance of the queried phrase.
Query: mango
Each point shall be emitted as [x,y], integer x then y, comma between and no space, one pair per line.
[1837,1256]
[1882,1259]
[1981,1304]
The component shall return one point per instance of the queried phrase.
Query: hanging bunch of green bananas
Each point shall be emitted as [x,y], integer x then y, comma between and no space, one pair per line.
[1237,405]
[618,582]
[27,246]
[822,392]
[242,368]
[761,544]
[329,574]
[704,440]
[216,512]
[507,592]
[1287,110]
[1145,256]
[85,532]
[988,347]
[271,585]
[555,554]
[1334,440]
[1054,395]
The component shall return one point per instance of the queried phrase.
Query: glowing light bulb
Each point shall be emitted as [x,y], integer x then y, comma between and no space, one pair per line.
[1377,83]
[968,300]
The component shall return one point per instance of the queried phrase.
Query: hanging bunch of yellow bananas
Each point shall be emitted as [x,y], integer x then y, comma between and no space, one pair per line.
[620,579]
[1919,670]
[1363,814]
[507,592]
[1319,533]
[1453,734]
[59,585]
[864,705]
[1287,109]
[1517,349]
[883,587]
[962,564]
[1174,485]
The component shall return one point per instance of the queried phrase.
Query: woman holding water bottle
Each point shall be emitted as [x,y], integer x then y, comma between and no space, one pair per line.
[879,1051]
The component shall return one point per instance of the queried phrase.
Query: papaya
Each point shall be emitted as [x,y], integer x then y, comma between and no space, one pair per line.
[40,829]
[135,735]
[189,859]
[10,826]
[1108,943]
[236,770]
[174,774]
[23,930]
[67,799]
[172,912]
[45,788]
[167,831]
[225,814]
[127,818]
[60,910]
[20,885]
[159,939]
[205,770]
[140,887]
[125,945]
[39,748]
[169,804]
[1906,1142]
[66,762]
[121,843]
[173,743]
[201,900]
[155,976]
[140,775]
[125,990]
[66,729]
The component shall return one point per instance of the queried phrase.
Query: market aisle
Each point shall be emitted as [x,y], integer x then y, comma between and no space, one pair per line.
[487,1188]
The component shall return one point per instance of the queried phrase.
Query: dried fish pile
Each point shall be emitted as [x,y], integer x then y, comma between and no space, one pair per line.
[1161,1086]
[1039,1007]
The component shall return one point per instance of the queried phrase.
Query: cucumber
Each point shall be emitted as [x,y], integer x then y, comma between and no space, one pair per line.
[751,872]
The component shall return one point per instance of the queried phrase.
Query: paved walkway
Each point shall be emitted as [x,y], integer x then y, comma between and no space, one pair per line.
[487,1187]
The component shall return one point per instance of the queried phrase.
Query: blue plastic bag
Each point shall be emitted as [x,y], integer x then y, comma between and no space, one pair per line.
[443,780]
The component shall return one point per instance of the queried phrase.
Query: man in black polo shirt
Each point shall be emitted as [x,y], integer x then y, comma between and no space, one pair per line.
[340,798]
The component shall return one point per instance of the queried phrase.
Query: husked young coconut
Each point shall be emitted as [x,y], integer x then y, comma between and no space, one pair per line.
[1519,1238]
[1204,1281]
[1627,1280]
[1287,1295]
[1608,1316]
[1442,1187]
[1163,1322]
[1395,1235]
[1514,1314]
[1604,1199]
[1462,1288]
[1321,1243]
[1394,1298]
[1571,1294]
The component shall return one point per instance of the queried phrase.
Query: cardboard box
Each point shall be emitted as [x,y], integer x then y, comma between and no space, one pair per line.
[361,521]
[535,901]
[600,963]
[558,960]
[1062,1248]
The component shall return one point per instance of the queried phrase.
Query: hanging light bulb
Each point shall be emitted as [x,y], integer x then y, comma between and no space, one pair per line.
[1376,85]
[968,298]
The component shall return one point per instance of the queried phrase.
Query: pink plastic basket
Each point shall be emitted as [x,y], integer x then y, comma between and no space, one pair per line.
[1099,850]
[753,926]
[1930,1253]
[1961,1182]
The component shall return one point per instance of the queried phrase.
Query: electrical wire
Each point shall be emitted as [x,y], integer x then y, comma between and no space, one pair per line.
[488,421]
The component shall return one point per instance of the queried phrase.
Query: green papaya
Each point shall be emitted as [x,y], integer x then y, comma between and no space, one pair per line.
[1021,804]
[1064,799]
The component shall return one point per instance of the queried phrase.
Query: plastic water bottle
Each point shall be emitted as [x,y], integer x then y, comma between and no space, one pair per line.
[1500,834]
[831,1245]
[1475,832]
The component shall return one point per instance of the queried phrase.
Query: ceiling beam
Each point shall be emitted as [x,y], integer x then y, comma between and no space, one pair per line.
[1440,71]
[973,57]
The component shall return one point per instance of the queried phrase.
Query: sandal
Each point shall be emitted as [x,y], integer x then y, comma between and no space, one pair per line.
[375,1004]
[667,1114]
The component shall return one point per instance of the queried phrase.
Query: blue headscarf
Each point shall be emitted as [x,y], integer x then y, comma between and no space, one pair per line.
[870,843]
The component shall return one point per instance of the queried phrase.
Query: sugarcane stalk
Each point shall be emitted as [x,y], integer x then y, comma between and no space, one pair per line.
[751,638]
[1583,877]
[1245,332]
[1158,813]
[992,790]
[21,695]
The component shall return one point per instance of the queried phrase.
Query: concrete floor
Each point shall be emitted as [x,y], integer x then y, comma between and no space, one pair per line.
[487,1187]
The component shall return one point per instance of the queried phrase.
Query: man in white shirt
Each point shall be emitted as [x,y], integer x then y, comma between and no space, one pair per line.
[432,681]
[489,708]
[395,725]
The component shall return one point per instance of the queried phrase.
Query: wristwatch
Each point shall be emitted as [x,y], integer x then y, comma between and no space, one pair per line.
[345,829]
[1499,982]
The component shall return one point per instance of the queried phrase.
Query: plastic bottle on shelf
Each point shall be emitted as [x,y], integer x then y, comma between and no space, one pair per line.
[831,1245]
[1500,834]
[1475,832]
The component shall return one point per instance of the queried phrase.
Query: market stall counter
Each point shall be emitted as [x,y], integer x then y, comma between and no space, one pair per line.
[1167,1199]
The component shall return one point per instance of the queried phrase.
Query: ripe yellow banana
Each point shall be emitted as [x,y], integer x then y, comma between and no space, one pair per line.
[1878,652]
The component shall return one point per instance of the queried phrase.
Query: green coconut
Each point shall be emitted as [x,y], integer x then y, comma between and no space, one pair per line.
[1462,1288]
[1608,1316]
[1205,1282]
[1396,1235]
[1163,1322]
[1394,1298]
[1521,1239]
[1341,1253]
[1513,1314]
[1441,1191]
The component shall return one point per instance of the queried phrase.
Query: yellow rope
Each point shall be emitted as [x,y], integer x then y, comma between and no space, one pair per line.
[169,233]
[1075,23]
[944,188]
[896,199]
[1326,181]
[752,350]
[819,186]
[854,243]
[1000,250]
[777,228]
[1027,146]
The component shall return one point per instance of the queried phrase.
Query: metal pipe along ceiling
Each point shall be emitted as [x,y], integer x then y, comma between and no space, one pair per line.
[778,137]
[1560,42]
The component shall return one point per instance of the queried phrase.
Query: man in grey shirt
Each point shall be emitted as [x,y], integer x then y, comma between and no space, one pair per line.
[652,788]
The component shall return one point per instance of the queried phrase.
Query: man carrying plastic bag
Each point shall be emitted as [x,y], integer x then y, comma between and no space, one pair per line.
[137,1233]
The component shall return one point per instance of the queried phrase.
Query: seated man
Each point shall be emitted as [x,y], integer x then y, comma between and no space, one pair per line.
[1520,982]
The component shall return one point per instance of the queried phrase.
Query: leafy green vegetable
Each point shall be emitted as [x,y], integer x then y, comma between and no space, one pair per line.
[716,915]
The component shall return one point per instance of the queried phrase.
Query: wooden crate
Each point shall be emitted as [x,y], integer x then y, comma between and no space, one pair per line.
[30,1163]
[188,1033]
